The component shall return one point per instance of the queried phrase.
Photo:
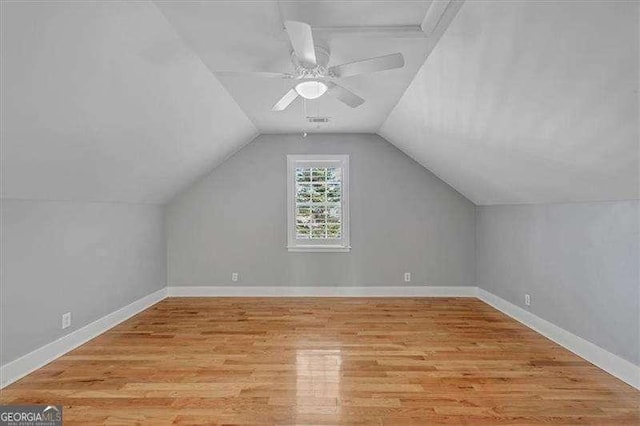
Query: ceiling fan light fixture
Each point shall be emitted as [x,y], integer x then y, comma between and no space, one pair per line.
[311,89]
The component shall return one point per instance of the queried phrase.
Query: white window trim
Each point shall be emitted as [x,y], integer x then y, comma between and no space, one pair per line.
[299,245]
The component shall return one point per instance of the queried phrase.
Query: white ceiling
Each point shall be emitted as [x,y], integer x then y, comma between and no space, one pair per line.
[229,37]
[519,102]
[525,102]
[104,102]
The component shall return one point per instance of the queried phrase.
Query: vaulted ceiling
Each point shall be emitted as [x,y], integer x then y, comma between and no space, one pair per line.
[529,102]
[252,38]
[104,102]
[517,102]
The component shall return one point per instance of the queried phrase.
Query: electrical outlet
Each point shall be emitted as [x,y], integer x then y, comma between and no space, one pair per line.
[234,276]
[66,320]
[407,277]
[527,300]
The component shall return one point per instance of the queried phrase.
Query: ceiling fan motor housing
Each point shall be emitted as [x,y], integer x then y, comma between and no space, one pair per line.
[305,70]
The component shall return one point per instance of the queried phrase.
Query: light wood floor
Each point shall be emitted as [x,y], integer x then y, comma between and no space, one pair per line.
[326,361]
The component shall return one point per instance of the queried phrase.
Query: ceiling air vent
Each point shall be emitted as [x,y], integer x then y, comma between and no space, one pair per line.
[318,119]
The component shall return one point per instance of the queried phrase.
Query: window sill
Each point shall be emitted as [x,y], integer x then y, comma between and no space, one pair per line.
[319,249]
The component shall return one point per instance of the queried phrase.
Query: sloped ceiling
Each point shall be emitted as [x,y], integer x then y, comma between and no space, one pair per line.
[519,102]
[102,101]
[525,102]
[232,36]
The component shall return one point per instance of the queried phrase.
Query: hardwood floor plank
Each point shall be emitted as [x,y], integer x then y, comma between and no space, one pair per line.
[368,361]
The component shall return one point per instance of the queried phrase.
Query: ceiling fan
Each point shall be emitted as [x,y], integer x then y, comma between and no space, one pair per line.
[315,78]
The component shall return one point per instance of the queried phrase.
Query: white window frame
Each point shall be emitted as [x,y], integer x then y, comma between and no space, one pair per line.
[309,245]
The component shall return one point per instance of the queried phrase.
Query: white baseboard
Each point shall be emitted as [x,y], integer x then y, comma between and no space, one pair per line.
[612,364]
[24,365]
[318,291]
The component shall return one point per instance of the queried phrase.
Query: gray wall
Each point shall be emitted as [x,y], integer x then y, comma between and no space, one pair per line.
[579,262]
[403,218]
[87,258]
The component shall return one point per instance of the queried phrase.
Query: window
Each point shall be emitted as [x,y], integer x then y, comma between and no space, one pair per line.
[318,203]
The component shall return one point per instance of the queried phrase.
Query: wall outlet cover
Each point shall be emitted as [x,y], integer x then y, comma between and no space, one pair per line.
[407,277]
[66,320]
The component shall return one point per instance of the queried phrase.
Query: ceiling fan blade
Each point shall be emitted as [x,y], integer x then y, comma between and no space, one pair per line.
[344,95]
[264,74]
[285,101]
[302,41]
[381,63]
